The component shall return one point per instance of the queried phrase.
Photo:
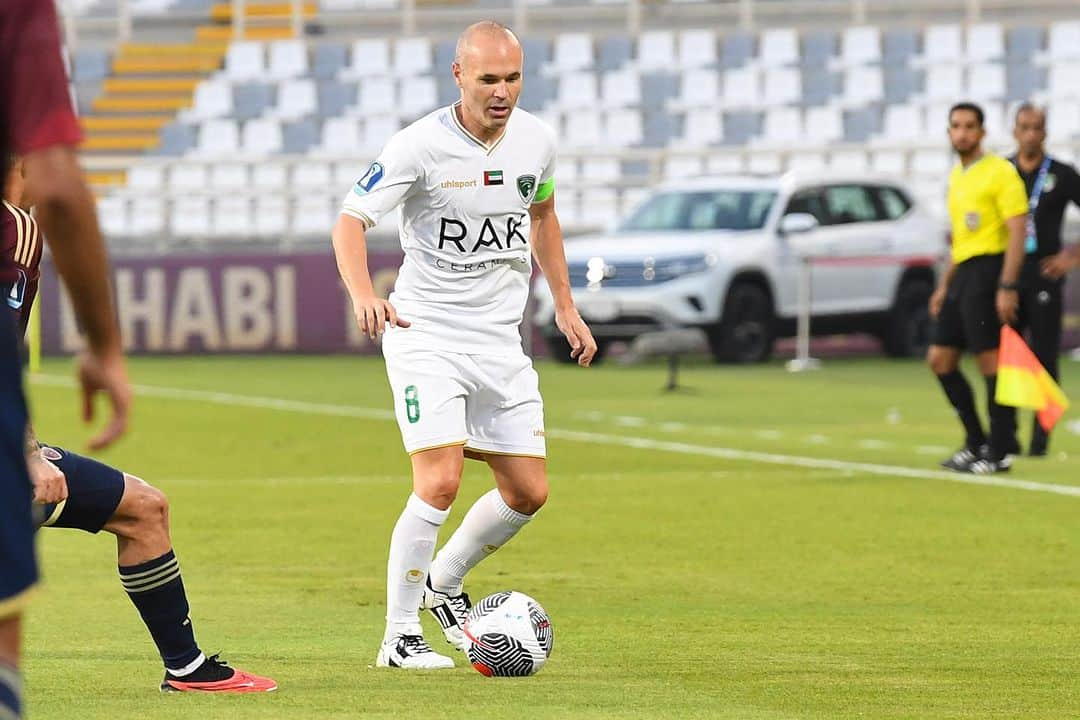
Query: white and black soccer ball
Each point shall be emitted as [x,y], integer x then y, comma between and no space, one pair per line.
[509,635]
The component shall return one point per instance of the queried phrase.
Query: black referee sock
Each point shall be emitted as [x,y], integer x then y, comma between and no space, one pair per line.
[158,593]
[1002,422]
[10,692]
[959,393]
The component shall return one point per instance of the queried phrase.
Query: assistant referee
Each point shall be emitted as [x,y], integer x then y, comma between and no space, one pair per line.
[979,290]
[1050,186]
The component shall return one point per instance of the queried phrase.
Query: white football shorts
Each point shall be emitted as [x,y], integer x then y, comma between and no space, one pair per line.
[488,403]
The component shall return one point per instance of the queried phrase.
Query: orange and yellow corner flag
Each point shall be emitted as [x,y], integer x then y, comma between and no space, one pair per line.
[1024,383]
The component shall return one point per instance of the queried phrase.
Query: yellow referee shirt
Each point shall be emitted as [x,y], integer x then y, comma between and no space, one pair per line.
[981,198]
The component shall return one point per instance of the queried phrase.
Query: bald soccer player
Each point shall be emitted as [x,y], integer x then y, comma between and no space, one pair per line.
[475,185]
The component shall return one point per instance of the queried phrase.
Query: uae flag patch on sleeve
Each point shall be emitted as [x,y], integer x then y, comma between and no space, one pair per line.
[493,177]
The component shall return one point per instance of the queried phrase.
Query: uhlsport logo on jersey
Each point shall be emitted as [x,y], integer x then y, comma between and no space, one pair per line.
[17,294]
[371,178]
[526,186]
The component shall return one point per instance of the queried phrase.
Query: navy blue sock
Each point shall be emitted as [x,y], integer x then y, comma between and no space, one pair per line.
[960,396]
[10,692]
[158,593]
[1002,422]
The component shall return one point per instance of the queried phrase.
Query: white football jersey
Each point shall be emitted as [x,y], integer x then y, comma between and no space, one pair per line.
[464,223]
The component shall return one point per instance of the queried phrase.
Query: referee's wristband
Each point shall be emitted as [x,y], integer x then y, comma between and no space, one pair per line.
[1008,286]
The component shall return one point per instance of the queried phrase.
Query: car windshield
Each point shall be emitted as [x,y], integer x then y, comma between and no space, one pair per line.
[703,210]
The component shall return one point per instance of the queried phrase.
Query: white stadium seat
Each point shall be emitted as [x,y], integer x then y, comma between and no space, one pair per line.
[146,178]
[697,48]
[376,96]
[860,46]
[262,136]
[218,138]
[147,216]
[779,47]
[701,129]
[228,176]
[245,61]
[213,99]
[623,127]
[313,215]
[902,123]
[296,98]
[599,207]
[583,131]
[782,126]
[1063,42]
[782,86]
[863,84]
[987,82]
[944,82]
[377,130]
[764,163]
[888,162]
[806,161]
[418,96]
[188,177]
[725,164]
[985,42]
[288,59]
[931,163]
[742,88]
[271,218]
[268,176]
[681,167]
[656,51]
[1063,81]
[340,135]
[824,125]
[190,216]
[231,216]
[621,88]
[412,56]
[698,90]
[369,58]
[312,175]
[849,161]
[578,91]
[942,44]
[573,51]
[112,213]
[600,170]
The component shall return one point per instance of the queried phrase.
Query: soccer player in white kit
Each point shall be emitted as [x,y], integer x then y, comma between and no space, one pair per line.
[475,188]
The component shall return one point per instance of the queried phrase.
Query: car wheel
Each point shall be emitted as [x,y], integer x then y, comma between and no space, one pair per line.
[907,333]
[747,327]
[559,348]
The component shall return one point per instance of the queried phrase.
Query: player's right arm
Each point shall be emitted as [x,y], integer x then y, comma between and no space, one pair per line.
[350,250]
[43,129]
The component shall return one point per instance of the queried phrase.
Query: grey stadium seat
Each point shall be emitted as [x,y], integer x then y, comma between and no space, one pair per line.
[862,124]
[615,51]
[660,127]
[537,53]
[900,45]
[250,100]
[818,46]
[176,139]
[329,59]
[901,82]
[444,57]
[819,85]
[738,49]
[631,169]
[1023,42]
[85,94]
[658,88]
[298,136]
[90,65]
[335,96]
[1022,81]
[536,92]
[740,127]
[449,92]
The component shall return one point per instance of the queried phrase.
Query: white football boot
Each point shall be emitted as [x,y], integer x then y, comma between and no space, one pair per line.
[409,650]
[450,611]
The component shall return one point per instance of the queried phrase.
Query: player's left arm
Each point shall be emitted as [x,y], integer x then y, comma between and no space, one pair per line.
[546,241]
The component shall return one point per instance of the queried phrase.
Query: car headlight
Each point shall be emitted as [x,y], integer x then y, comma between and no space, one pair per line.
[674,267]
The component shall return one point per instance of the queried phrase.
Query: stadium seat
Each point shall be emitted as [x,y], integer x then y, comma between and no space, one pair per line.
[888,162]
[296,98]
[725,164]
[1063,42]
[819,50]
[568,207]
[599,207]
[700,130]
[330,59]
[823,125]
[860,46]
[231,216]
[261,137]
[147,217]
[987,82]
[244,60]
[863,84]
[312,175]
[213,99]
[1063,81]
[737,50]
[537,54]
[218,138]
[229,176]
[600,170]
[573,51]
[112,213]
[621,88]
[346,174]
[931,163]
[577,90]
[190,216]
[742,88]
[902,83]
[764,163]
[335,96]
[313,215]
[1023,43]
[682,167]
[656,51]
[1023,81]
[1063,119]
[566,172]
[288,59]
[854,162]
[90,64]
[251,100]
[901,46]
[623,127]
[340,135]
[146,178]
[944,82]
[779,48]
[783,127]
[697,49]
[417,96]
[188,177]
[412,56]
[740,127]
[369,58]
[299,136]
[268,176]
[820,87]
[378,130]
[806,161]
[942,45]
[698,90]
[985,42]
[584,131]
[860,124]
[376,96]
[271,216]
[782,86]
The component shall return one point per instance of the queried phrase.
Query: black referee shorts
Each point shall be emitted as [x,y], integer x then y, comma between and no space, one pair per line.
[968,318]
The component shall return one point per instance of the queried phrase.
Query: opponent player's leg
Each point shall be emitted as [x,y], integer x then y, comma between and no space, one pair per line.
[436,478]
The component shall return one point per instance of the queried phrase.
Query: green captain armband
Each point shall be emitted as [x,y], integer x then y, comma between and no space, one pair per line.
[546,190]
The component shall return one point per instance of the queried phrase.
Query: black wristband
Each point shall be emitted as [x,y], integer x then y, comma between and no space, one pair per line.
[1008,286]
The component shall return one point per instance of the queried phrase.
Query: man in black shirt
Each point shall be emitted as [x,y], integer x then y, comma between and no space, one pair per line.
[1051,185]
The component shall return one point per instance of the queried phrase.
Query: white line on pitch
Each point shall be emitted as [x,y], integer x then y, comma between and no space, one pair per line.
[932,450]
[872,444]
[253,401]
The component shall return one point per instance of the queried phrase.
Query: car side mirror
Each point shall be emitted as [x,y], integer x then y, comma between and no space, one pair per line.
[797,223]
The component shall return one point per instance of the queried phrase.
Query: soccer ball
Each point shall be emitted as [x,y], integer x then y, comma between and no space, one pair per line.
[509,635]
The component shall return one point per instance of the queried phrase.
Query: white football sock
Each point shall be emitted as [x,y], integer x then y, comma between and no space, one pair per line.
[488,525]
[411,546]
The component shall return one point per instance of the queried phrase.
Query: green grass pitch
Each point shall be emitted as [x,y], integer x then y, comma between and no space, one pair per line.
[682,581]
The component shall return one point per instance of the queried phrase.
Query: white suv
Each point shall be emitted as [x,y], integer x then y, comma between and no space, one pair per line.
[724,255]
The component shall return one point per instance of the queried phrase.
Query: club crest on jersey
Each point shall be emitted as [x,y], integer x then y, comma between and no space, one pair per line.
[493,177]
[1049,183]
[17,294]
[526,186]
[370,179]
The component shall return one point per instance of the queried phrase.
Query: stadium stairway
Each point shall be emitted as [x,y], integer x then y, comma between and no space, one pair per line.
[149,83]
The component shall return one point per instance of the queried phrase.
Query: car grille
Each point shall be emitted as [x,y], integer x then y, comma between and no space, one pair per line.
[620,274]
